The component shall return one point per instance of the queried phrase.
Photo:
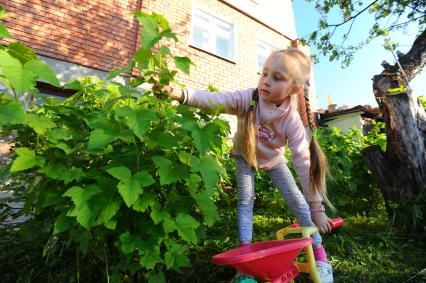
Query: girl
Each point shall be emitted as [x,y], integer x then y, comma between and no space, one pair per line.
[268,120]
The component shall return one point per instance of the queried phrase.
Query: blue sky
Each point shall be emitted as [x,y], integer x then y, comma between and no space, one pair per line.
[353,85]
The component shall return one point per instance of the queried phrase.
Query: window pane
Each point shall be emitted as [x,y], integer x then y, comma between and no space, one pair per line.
[263,51]
[260,61]
[222,47]
[212,34]
[200,37]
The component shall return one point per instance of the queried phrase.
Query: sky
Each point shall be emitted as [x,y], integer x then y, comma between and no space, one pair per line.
[352,85]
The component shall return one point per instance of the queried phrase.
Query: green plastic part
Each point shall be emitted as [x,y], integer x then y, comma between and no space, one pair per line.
[244,279]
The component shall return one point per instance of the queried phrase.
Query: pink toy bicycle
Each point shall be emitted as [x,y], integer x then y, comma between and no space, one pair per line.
[274,261]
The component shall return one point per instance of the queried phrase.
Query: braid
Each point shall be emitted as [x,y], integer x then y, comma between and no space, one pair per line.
[318,170]
[246,140]
[311,121]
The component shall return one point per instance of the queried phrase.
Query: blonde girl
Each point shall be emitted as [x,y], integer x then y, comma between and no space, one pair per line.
[268,120]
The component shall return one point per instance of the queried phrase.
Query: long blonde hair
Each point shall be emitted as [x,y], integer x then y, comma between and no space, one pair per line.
[299,65]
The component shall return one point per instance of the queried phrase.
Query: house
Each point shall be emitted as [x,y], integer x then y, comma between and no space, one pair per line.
[346,118]
[227,39]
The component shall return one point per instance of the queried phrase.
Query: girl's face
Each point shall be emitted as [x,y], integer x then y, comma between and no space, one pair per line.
[275,83]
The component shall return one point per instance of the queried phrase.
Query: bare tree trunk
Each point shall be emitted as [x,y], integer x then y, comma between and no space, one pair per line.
[401,170]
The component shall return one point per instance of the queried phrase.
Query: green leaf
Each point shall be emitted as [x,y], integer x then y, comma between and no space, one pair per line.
[138,120]
[165,50]
[128,187]
[161,20]
[157,38]
[144,178]
[129,243]
[208,208]
[209,169]
[121,173]
[130,191]
[4,33]
[113,73]
[73,84]
[157,278]
[148,199]
[40,124]
[58,134]
[99,138]
[21,79]
[158,215]
[26,159]
[186,226]
[159,137]
[80,197]
[149,30]
[169,224]
[109,211]
[58,171]
[11,111]
[3,13]
[43,71]
[62,223]
[176,258]
[21,52]
[167,172]
[149,255]
[182,63]
[201,140]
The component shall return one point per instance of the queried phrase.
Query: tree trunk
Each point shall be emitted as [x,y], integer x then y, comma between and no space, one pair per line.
[401,170]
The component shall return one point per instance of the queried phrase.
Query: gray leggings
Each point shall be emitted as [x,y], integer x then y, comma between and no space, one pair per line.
[283,179]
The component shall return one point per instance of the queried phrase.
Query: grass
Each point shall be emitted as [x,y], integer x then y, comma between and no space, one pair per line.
[365,249]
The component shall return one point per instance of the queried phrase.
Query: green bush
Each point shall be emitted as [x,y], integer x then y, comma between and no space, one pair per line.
[351,186]
[115,174]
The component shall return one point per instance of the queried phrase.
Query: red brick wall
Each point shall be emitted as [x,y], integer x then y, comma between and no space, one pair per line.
[103,35]
[93,33]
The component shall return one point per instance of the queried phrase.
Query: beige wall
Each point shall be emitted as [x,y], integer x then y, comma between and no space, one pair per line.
[276,14]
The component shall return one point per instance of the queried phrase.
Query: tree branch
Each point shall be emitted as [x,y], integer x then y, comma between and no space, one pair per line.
[404,23]
[354,16]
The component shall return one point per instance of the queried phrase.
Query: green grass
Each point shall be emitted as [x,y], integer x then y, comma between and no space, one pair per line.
[365,249]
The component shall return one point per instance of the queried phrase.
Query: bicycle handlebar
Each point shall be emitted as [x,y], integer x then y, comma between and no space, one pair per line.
[335,222]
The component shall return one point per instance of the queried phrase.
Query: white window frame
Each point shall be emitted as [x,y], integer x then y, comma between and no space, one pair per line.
[213,30]
[267,49]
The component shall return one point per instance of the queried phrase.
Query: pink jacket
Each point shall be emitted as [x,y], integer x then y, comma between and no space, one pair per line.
[275,128]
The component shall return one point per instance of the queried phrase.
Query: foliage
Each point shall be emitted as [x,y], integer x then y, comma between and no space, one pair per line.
[365,249]
[389,16]
[422,101]
[351,186]
[115,174]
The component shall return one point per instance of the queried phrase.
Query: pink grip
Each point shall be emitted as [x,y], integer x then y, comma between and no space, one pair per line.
[335,222]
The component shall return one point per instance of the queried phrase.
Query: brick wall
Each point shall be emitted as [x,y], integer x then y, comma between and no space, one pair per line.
[93,33]
[103,35]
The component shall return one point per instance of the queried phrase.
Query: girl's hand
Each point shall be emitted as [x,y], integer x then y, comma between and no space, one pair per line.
[322,221]
[173,94]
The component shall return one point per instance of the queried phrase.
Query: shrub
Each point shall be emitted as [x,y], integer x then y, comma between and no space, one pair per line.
[351,186]
[117,174]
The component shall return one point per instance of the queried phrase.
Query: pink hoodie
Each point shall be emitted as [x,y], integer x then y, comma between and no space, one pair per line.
[275,128]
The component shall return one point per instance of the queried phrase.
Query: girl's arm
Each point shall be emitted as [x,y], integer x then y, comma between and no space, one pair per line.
[232,102]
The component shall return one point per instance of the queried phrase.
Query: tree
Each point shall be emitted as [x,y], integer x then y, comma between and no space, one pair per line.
[401,169]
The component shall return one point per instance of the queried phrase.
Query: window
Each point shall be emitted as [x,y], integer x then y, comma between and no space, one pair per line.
[263,51]
[212,34]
